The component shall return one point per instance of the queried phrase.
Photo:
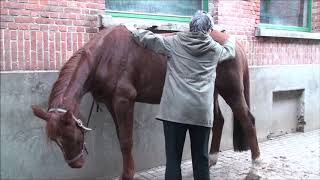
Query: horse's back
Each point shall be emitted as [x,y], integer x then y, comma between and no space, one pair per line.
[126,65]
[230,74]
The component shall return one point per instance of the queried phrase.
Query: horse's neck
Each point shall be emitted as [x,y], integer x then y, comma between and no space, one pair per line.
[71,85]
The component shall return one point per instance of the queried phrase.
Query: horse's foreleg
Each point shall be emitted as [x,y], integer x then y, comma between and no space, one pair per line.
[216,131]
[123,108]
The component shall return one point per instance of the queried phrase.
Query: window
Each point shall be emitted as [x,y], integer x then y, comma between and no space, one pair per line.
[288,15]
[172,10]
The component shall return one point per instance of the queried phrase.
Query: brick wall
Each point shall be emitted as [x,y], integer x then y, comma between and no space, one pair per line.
[316,16]
[42,34]
[240,18]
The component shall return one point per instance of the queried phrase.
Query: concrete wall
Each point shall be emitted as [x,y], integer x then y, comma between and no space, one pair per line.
[26,154]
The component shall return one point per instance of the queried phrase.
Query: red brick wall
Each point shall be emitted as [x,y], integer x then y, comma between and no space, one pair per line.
[316,16]
[240,18]
[43,34]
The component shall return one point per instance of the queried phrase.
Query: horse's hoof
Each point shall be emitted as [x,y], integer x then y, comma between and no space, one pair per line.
[213,158]
[257,161]
[253,174]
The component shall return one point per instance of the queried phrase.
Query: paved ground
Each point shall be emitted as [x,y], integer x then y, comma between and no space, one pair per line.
[293,156]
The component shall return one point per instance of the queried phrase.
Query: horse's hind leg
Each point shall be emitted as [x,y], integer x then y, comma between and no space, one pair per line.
[244,132]
[216,131]
[123,105]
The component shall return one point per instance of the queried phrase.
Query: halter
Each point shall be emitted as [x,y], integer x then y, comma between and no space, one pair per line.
[78,121]
[80,124]
[68,161]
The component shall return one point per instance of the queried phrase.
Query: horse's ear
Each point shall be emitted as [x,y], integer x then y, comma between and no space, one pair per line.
[39,112]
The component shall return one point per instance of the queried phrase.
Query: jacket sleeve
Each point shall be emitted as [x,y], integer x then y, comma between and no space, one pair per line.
[148,39]
[226,50]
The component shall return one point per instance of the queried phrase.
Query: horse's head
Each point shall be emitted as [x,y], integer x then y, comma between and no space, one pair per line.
[67,132]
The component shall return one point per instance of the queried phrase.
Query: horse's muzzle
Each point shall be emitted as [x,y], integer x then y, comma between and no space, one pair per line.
[77,164]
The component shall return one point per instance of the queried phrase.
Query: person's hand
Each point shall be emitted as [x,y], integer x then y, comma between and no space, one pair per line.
[130,26]
[218,28]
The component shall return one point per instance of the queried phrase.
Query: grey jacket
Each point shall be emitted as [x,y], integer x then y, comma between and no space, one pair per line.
[191,72]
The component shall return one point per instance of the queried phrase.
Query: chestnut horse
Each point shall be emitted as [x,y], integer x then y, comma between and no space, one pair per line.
[118,73]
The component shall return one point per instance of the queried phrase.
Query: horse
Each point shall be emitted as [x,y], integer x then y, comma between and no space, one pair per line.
[118,72]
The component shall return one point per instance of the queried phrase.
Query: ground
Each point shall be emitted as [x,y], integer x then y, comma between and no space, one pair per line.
[292,156]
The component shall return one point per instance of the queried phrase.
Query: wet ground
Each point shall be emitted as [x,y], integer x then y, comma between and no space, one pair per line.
[292,156]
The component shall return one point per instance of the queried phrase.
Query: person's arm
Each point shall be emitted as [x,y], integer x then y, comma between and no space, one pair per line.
[224,45]
[227,50]
[151,41]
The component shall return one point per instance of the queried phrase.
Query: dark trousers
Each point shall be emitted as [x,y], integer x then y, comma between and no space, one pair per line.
[175,134]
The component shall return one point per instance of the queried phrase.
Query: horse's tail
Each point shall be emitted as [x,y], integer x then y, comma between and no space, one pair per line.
[240,142]
[246,83]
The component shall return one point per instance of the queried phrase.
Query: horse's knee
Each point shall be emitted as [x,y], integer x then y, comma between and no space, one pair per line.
[126,145]
[218,121]
[121,104]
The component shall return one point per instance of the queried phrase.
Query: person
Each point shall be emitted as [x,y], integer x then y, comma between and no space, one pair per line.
[187,98]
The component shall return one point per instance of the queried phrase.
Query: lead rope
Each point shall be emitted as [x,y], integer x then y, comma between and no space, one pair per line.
[89,117]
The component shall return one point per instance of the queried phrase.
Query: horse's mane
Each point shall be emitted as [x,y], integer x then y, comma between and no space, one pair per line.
[64,78]
[68,69]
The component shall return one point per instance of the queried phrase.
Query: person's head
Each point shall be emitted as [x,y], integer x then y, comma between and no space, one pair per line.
[201,22]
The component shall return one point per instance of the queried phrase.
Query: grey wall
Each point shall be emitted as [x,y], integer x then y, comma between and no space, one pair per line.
[26,153]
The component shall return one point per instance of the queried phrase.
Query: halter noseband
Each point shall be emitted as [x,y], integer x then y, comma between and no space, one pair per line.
[80,124]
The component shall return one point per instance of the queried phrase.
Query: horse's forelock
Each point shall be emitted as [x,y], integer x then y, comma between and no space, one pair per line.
[52,129]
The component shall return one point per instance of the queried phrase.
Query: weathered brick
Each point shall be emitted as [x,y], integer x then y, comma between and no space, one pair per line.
[69,41]
[80,29]
[46,65]
[95,6]
[91,30]
[54,28]
[19,12]
[57,41]
[14,55]
[13,35]
[44,27]
[75,42]
[40,50]
[24,19]
[6,18]
[80,40]
[52,56]
[45,41]
[72,10]
[63,36]
[34,27]
[63,28]
[24,26]
[4,11]
[33,40]
[27,54]
[43,21]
